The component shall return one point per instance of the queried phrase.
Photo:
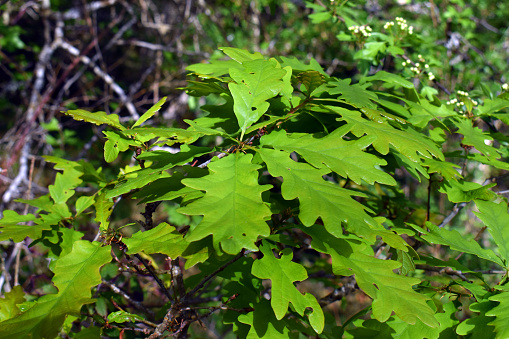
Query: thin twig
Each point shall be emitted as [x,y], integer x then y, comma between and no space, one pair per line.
[135,303]
[154,275]
[213,274]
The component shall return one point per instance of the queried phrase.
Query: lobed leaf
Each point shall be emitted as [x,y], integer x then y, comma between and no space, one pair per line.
[258,82]
[148,114]
[496,217]
[319,198]
[465,191]
[165,239]
[232,208]
[98,118]
[474,136]
[356,95]
[457,242]
[9,225]
[283,273]
[264,324]
[501,314]
[346,158]
[391,292]
[75,274]
[408,142]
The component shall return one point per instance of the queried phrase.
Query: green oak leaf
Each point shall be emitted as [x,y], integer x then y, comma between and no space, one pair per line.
[389,78]
[391,292]
[264,323]
[148,114]
[103,210]
[490,107]
[232,208]
[320,198]
[98,118]
[283,273]
[75,274]
[9,304]
[298,65]
[457,242]
[495,216]
[346,158]
[311,80]
[240,55]
[10,228]
[165,239]
[464,191]
[356,95]
[446,169]
[162,161]
[408,142]
[478,326]
[474,136]
[253,86]
[501,314]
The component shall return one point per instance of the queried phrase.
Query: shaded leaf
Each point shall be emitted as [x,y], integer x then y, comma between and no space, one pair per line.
[162,161]
[389,78]
[9,304]
[311,79]
[283,273]
[457,242]
[478,326]
[464,191]
[264,323]
[171,188]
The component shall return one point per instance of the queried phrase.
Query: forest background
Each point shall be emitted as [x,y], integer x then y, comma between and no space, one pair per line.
[444,63]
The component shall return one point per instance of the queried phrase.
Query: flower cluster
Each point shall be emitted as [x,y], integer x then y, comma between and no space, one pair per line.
[505,87]
[402,25]
[464,102]
[363,30]
[419,67]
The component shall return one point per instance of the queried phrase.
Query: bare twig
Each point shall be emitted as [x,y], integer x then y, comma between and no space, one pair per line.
[213,274]
[135,303]
[455,210]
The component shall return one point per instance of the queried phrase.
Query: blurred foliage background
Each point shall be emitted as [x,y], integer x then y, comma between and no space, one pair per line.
[123,56]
